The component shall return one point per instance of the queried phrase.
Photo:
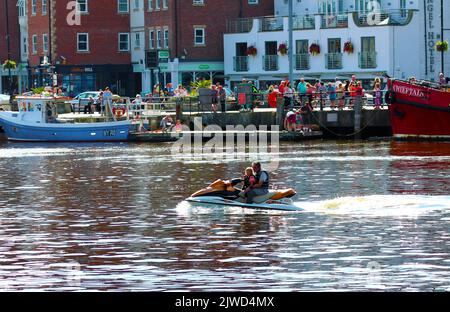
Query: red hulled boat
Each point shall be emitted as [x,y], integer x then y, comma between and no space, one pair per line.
[419,110]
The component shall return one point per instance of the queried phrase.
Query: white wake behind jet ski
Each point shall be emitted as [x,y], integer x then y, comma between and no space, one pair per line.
[223,192]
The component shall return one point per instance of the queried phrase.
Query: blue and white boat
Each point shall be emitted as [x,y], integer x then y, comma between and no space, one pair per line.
[37,120]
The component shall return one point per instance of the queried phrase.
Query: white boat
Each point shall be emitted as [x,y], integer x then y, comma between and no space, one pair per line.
[37,120]
[223,193]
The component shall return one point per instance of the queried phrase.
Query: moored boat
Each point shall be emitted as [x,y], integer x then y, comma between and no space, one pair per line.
[37,120]
[419,110]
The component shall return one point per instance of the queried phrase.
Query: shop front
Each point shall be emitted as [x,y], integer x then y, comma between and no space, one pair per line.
[19,80]
[80,78]
[192,71]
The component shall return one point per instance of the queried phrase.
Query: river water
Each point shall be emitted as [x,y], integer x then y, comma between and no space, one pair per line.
[112,217]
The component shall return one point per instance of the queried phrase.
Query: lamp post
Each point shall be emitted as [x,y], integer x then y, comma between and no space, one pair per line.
[9,51]
[291,45]
[442,35]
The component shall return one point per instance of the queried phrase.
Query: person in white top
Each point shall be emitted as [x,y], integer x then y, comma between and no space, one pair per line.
[107,100]
[288,96]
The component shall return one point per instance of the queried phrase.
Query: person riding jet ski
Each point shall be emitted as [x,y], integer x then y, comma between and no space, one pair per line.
[260,187]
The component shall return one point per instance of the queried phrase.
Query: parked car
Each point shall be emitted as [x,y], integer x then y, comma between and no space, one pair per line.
[4,99]
[79,101]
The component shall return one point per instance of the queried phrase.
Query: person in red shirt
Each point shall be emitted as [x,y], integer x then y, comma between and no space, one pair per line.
[272,97]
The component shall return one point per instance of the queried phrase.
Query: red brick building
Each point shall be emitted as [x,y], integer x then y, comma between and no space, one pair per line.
[9,26]
[192,31]
[88,47]
[103,42]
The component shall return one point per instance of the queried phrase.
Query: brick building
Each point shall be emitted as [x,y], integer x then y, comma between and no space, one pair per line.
[87,50]
[9,26]
[192,32]
[103,42]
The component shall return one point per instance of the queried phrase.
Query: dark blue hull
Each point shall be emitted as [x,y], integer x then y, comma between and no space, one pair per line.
[91,132]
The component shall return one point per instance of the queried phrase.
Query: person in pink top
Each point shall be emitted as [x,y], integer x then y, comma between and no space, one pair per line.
[281,88]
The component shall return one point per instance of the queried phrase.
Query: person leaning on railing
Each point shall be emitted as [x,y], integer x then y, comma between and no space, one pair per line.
[272,96]
[331,91]
[222,98]
[340,91]
[302,89]
[288,96]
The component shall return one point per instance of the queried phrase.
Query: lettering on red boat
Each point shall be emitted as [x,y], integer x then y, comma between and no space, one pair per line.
[409,91]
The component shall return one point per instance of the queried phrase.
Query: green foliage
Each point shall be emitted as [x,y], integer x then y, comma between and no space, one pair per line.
[201,84]
[38,90]
[9,64]
[442,46]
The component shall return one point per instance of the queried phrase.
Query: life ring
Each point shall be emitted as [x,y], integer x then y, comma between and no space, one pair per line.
[389,97]
[118,113]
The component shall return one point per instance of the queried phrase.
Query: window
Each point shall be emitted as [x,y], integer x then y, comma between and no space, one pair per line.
[165,4]
[22,7]
[25,45]
[137,40]
[199,36]
[150,5]
[253,2]
[123,6]
[157,5]
[33,7]
[403,8]
[166,38]
[158,39]
[34,44]
[82,6]
[82,42]
[151,36]
[44,7]
[334,45]
[45,43]
[363,6]
[124,42]
[367,44]
[136,4]
[301,46]
[198,2]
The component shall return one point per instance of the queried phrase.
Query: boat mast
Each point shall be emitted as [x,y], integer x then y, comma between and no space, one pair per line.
[442,35]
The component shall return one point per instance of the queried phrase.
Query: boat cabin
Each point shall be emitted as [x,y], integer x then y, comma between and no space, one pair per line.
[41,109]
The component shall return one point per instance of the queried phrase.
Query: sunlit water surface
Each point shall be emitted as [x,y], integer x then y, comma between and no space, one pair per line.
[112,217]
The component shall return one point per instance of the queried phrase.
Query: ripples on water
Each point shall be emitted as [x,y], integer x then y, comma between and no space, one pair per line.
[112,217]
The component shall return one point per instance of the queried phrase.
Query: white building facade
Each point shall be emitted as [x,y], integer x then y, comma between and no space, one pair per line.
[389,37]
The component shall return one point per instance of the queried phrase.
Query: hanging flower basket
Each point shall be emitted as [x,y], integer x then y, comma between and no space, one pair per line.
[348,47]
[9,64]
[252,51]
[314,49]
[283,49]
[442,46]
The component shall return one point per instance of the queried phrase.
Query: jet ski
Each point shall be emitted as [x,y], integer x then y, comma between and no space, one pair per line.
[223,192]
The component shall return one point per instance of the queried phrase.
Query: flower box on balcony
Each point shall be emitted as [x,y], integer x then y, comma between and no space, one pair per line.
[348,47]
[283,49]
[314,49]
[251,51]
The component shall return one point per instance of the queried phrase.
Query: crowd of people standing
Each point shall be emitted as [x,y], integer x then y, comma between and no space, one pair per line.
[339,94]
